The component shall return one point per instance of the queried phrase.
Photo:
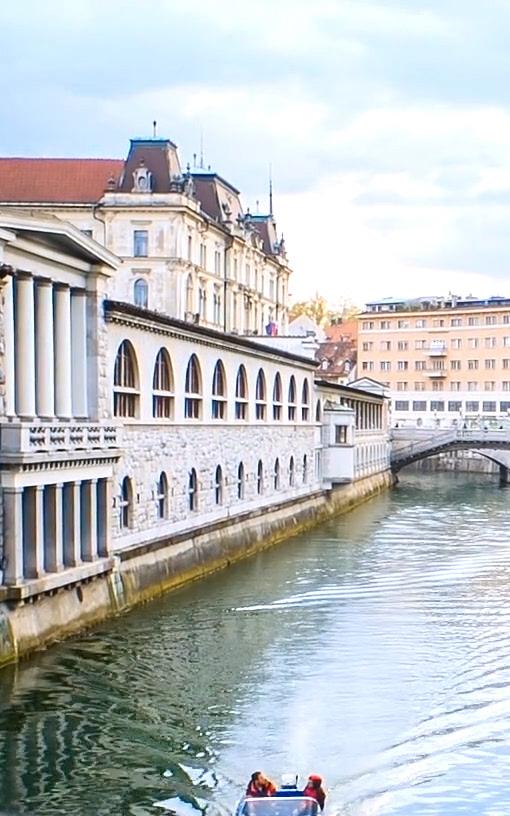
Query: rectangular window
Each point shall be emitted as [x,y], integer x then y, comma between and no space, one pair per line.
[385,324]
[385,365]
[472,407]
[367,324]
[455,386]
[385,345]
[402,345]
[490,320]
[402,386]
[505,385]
[489,407]
[454,405]
[217,262]
[489,385]
[506,362]
[340,434]
[403,324]
[456,343]
[402,365]
[472,365]
[438,323]
[367,346]
[456,321]
[420,365]
[506,342]
[437,405]
[504,407]
[438,365]
[472,385]
[401,405]
[490,363]
[506,319]
[490,342]
[473,342]
[420,386]
[421,324]
[473,321]
[420,344]
[437,385]
[140,243]
[455,365]
[419,405]
[367,365]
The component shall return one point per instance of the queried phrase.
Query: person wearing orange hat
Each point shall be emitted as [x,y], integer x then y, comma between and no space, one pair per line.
[315,790]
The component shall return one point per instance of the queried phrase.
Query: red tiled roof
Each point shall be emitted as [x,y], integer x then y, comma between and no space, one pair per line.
[56,180]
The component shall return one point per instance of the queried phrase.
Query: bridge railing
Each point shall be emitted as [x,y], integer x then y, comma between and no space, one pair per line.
[420,445]
[423,440]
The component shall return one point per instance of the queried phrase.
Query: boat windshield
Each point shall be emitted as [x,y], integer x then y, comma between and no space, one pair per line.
[279,806]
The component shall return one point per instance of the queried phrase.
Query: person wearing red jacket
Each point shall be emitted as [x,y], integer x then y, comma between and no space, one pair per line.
[315,790]
[260,785]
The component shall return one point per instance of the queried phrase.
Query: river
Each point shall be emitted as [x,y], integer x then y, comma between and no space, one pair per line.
[374,650]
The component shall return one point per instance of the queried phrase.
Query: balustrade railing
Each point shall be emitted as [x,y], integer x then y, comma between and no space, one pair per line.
[25,437]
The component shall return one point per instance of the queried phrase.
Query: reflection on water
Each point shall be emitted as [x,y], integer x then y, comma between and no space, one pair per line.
[373,650]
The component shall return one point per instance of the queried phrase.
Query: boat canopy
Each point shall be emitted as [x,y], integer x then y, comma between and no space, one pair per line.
[279,805]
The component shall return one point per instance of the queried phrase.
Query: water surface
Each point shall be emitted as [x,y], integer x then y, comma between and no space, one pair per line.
[374,650]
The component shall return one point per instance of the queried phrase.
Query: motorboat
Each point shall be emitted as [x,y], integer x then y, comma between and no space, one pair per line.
[283,803]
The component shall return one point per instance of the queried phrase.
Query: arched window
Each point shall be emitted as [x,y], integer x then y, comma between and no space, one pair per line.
[292,399]
[276,474]
[125,503]
[141,293]
[193,490]
[260,478]
[218,485]
[291,472]
[260,396]
[305,402]
[162,496]
[219,392]
[125,382]
[318,411]
[189,295]
[241,394]
[162,387]
[305,469]
[240,481]
[277,397]
[192,389]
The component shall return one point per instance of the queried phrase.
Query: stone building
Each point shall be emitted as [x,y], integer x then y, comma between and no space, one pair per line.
[188,247]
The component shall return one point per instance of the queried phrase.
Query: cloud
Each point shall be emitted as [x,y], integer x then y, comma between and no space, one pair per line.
[387,124]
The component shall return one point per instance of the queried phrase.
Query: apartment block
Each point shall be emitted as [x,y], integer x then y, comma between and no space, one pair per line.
[444,360]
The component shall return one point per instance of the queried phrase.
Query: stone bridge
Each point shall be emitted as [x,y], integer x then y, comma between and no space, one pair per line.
[409,445]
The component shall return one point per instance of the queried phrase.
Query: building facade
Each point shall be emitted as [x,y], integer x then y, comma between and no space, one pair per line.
[444,361]
[188,248]
[122,427]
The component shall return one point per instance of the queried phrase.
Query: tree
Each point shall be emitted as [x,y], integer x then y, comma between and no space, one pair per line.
[322,312]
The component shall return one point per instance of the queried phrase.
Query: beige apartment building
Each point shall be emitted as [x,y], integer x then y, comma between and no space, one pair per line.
[444,360]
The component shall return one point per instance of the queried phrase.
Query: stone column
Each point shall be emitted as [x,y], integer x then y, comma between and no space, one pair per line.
[33,532]
[44,351]
[9,368]
[53,534]
[104,503]
[24,346]
[72,524]
[13,534]
[62,317]
[89,519]
[79,351]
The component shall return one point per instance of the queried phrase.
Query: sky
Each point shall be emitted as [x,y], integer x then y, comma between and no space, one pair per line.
[386,123]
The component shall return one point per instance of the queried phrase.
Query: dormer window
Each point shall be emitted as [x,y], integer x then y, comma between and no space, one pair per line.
[142,179]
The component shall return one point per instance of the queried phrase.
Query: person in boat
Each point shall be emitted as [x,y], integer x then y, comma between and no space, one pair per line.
[315,790]
[260,785]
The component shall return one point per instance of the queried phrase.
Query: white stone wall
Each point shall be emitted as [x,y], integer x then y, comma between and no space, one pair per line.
[174,450]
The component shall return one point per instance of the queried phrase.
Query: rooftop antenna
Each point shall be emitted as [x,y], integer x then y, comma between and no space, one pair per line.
[270,190]
[154,128]
[201,165]
[257,205]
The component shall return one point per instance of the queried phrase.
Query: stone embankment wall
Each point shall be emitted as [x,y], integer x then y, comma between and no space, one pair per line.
[145,571]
